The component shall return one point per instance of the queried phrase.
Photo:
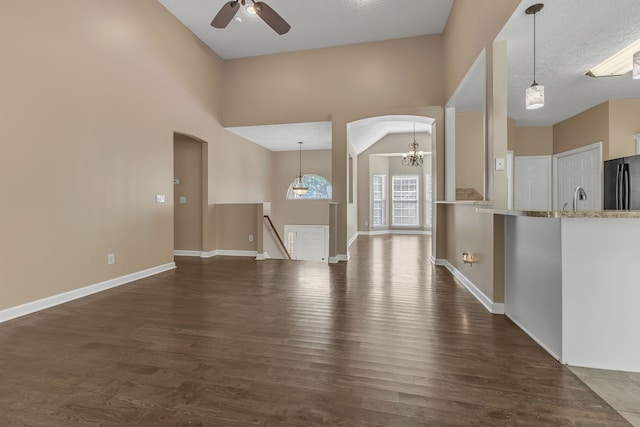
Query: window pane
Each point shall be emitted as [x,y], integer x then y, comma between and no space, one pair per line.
[319,188]
[405,200]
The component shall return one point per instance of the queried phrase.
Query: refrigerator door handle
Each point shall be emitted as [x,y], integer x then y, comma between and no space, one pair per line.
[627,188]
[618,186]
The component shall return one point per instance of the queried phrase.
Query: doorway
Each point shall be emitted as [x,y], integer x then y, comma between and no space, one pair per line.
[188,174]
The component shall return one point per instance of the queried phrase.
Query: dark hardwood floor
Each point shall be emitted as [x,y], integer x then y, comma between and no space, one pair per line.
[385,340]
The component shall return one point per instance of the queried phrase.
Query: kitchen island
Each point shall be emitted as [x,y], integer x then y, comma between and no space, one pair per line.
[572,282]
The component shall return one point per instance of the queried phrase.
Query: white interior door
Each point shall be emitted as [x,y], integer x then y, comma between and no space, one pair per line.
[581,167]
[309,242]
[532,183]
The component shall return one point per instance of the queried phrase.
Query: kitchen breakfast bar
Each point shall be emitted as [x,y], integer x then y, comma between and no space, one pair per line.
[572,282]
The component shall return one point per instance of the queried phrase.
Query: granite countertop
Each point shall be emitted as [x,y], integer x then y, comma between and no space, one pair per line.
[562,214]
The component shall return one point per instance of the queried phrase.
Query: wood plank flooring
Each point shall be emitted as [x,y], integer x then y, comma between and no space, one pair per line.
[385,340]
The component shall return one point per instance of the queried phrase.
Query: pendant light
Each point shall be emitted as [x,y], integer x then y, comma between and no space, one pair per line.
[298,186]
[413,157]
[534,95]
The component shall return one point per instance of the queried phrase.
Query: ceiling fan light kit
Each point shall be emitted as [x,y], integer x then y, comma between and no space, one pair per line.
[260,8]
[534,95]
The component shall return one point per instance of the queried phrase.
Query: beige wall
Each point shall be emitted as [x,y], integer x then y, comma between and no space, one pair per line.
[286,165]
[470,150]
[90,106]
[469,231]
[187,217]
[624,125]
[586,128]
[472,25]
[310,85]
[533,141]
[341,84]
[235,222]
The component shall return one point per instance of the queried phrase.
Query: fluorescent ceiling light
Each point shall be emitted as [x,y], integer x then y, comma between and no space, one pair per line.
[618,64]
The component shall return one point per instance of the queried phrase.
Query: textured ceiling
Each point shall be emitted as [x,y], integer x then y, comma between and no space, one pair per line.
[572,37]
[314,24]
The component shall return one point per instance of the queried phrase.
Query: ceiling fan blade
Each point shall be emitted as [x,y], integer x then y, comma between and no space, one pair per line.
[271,17]
[226,14]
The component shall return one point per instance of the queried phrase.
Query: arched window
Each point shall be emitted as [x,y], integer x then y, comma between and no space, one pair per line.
[319,188]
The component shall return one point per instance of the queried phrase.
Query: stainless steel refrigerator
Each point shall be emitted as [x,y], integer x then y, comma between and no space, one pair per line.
[622,183]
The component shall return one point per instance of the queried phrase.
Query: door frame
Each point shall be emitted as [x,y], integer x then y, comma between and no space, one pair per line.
[579,150]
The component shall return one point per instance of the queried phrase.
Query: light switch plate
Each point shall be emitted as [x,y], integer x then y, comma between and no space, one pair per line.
[499,163]
[160,198]
[183,199]
[176,181]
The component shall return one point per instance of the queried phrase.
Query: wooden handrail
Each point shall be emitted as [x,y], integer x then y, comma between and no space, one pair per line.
[273,228]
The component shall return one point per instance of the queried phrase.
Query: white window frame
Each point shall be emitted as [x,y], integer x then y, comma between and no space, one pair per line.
[428,200]
[382,201]
[395,200]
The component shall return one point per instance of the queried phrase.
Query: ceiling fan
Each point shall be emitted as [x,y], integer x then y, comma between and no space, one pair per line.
[268,15]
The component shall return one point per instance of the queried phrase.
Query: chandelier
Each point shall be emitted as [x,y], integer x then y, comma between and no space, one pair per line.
[413,157]
[298,185]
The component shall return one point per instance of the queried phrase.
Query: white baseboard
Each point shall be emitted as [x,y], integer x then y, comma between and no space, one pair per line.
[352,239]
[406,232]
[216,252]
[492,307]
[262,256]
[225,252]
[533,337]
[42,304]
[179,252]
[340,257]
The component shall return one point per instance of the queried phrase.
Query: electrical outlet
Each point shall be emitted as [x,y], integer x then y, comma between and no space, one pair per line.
[183,199]
[251,237]
[111,259]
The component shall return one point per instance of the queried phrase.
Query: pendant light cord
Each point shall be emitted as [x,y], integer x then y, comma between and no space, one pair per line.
[534,48]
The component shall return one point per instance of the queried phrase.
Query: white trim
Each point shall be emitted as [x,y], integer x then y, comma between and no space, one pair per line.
[225,252]
[437,261]
[380,232]
[179,252]
[492,307]
[533,337]
[340,257]
[44,303]
[217,252]
[209,254]
[638,143]
[353,239]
